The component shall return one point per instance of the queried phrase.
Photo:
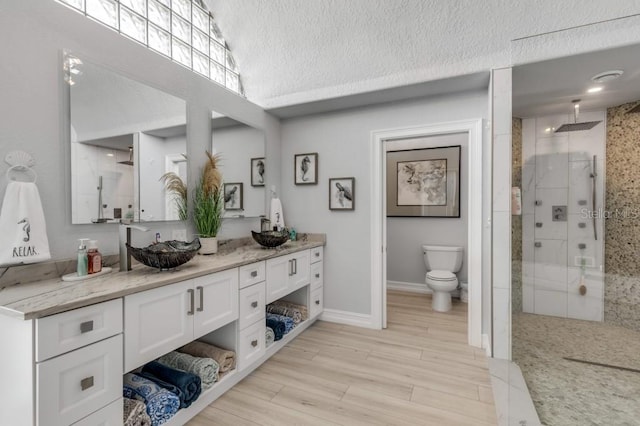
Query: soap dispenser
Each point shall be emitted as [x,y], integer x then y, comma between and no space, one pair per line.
[94,258]
[83,264]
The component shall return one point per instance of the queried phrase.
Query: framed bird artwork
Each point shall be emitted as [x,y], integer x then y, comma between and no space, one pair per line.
[342,193]
[305,169]
[257,171]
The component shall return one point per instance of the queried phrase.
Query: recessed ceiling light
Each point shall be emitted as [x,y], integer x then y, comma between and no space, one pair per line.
[607,76]
[595,89]
[109,155]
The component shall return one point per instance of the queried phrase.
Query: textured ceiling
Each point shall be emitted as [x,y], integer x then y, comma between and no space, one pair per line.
[297,51]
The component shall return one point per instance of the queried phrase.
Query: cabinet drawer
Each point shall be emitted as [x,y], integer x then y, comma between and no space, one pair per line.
[251,344]
[76,384]
[111,415]
[70,330]
[252,307]
[317,254]
[317,275]
[252,274]
[317,302]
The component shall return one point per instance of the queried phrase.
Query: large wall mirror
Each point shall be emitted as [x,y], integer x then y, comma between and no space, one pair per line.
[243,166]
[125,136]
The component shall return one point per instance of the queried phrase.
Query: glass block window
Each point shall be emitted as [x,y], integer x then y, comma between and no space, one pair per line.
[183,30]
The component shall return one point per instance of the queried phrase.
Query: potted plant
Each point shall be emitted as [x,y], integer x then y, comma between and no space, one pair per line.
[208,205]
[175,186]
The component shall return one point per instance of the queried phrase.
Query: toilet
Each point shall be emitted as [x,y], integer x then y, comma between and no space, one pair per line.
[442,263]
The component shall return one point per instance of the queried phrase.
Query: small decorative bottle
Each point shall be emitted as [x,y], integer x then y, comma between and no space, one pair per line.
[82,258]
[94,258]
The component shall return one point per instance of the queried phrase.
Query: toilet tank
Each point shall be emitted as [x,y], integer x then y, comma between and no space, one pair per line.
[444,258]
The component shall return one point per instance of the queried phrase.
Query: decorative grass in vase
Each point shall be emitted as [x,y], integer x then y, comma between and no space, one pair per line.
[208,205]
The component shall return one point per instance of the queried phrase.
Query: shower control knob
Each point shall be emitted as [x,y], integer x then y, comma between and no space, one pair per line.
[538,202]
[582,225]
[582,289]
[538,224]
[582,246]
[582,202]
[537,244]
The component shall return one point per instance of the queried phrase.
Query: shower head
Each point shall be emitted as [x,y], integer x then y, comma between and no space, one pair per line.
[129,162]
[575,126]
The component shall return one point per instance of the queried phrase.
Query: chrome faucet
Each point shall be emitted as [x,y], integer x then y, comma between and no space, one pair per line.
[124,230]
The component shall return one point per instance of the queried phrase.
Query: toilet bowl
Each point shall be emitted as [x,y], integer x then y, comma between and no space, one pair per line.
[442,262]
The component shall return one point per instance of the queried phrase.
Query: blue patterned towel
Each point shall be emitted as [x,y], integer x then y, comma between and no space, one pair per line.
[161,404]
[288,321]
[189,384]
[278,328]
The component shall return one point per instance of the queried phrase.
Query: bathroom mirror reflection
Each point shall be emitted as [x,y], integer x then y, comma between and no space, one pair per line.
[125,136]
[242,161]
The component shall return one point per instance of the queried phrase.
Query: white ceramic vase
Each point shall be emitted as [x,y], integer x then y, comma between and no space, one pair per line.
[208,245]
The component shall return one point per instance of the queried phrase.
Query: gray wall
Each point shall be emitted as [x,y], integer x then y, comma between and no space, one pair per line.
[342,140]
[34,109]
[406,235]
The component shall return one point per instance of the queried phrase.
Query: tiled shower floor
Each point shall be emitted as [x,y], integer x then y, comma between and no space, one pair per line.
[569,393]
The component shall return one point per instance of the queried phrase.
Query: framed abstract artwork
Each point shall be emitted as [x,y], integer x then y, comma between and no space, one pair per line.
[305,169]
[424,182]
[257,171]
[233,196]
[342,193]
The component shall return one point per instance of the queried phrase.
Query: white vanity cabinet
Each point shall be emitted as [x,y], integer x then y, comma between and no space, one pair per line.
[160,320]
[286,274]
[316,301]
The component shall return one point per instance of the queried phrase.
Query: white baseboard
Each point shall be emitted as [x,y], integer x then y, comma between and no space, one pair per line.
[486,344]
[409,287]
[348,318]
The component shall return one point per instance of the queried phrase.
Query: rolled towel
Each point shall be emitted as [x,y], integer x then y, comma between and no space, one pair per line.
[225,359]
[205,368]
[270,336]
[158,381]
[288,322]
[189,383]
[134,413]
[287,311]
[161,404]
[303,309]
[278,328]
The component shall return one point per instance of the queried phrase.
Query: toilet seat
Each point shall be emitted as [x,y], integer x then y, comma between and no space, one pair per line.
[437,275]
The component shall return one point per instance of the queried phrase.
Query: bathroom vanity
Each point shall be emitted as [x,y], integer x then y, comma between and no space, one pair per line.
[67,345]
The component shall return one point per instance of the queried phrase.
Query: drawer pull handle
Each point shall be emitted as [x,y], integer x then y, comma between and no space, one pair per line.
[86,383]
[317,302]
[295,266]
[254,304]
[254,343]
[290,267]
[317,254]
[318,275]
[191,301]
[86,327]
[254,274]
[201,294]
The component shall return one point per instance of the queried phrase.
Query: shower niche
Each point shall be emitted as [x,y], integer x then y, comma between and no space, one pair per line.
[562,217]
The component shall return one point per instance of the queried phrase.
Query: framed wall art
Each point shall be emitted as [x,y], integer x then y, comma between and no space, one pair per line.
[257,171]
[305,168]
[342,193]
[424,182]
[233,196]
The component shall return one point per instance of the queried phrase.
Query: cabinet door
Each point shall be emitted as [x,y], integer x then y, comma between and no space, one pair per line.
[279,273]
[156,322]
[300,276]
[216,301]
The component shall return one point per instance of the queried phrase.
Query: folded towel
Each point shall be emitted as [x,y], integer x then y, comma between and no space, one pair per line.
[189,384]
[135,413]
[225,359]
[270,336]
[161,404]
[205,368]
[278,328]
[287,311]
[303,309]
[288,322]
[22,226]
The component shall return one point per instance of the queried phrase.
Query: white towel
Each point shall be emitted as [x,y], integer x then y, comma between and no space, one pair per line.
[22,226]
[276,217]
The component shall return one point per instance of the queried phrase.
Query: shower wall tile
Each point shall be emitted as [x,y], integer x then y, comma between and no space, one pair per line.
[552,303]
[551,261]
[528,188]
[529,141]
[552,170]
[580,186]
[584,307]
[553,230]
[528,229]
[584,145]
[528,295]
[551,285]
[546,125]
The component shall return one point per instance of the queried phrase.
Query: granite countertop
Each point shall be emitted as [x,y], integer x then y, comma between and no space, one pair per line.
[52,296]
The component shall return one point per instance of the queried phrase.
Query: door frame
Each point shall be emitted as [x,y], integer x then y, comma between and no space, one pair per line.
[473,128]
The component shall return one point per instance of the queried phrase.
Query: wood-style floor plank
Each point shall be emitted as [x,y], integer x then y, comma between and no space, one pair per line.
[418,371]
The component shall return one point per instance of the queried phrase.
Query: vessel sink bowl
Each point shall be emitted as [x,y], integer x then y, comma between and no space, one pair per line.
[165,255]
[270,239]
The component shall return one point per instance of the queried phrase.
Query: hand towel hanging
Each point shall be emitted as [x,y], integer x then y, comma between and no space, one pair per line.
[22,226]
[276,217]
